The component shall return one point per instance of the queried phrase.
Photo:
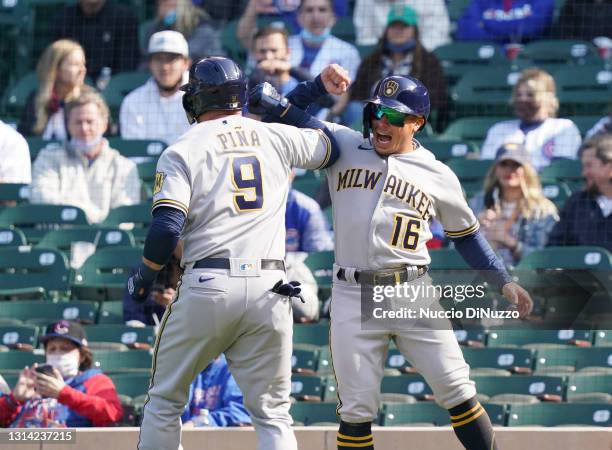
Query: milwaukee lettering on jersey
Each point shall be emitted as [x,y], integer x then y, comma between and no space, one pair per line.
[409,193]
[357,178]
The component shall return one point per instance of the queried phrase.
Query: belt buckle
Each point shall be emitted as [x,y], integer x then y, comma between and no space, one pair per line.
[387,278]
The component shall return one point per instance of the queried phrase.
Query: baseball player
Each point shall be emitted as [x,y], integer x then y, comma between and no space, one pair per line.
[223,187]
[385,189]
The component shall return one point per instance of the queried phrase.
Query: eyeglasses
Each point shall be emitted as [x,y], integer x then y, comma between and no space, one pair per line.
[394,117]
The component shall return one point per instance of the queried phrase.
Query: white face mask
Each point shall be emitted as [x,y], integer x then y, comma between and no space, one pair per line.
[83,146]
[66,363]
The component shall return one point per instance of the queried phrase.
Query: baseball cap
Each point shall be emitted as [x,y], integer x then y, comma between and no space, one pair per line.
[512,152]
[404,14]
[168,41]
[66,329]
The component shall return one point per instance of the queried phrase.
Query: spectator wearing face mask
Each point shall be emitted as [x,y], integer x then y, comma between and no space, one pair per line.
[67,392]
[85,172]
[155,109]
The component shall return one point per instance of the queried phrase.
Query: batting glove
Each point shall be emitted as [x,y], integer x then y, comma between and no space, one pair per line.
[139,284]
[264,99]
[290,289]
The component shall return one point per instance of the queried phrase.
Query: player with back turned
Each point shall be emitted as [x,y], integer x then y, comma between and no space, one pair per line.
[385,190]
[223,187]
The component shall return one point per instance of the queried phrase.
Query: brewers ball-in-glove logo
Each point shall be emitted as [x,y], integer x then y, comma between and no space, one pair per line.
[390,88]
[159,182]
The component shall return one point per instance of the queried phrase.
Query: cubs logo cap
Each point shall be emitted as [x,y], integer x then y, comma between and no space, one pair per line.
[66,329]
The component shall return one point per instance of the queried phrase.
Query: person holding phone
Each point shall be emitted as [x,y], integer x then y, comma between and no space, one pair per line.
[64,392]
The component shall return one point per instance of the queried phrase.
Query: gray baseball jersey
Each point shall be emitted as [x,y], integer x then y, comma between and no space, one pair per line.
[232,185]
[401,194]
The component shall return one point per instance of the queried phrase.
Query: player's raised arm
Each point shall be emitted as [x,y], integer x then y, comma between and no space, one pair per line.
[334,79]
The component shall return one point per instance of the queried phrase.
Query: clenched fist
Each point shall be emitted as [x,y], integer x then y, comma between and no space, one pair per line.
[336,79]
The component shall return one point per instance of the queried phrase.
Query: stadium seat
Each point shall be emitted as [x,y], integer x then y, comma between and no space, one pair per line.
[33,268]
[344,29]
[526,337]
[603,338]
[312,334]
[556,192]
[586,388]
[584,90]
[330,388]
[553,414]
[304,361]
[395,360]
[584,123]
[574,257]
[101,237]
[19,337]
[511,359]
[131,384]
[119,362]
[471,173]
[447,259]
[37,144]
[140,338]
[307,387]
[11,237]
[321,265]
[15,97]
[310,413]
[138,148]
[120,85]
[458,58]
[146,171]
[540,387]
[308,186]
[139,214]
[413,414]
[471,128]
[111,312]
[562,170]
[555,54]
[14,361]
[471,337]
[104,274]
[485,92]
[574,357]
[17,193]
[414,385]
[324,361]
[447,149]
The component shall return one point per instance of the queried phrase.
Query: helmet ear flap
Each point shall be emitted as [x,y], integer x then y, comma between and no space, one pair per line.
[188,107]
[367,120]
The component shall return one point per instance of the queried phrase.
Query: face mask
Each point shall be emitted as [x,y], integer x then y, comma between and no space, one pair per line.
[82,146]
[313,39]
[526,110]
[66,363]
[170,18]
[401,48]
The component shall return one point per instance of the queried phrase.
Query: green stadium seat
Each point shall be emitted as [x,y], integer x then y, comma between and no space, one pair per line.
[38,144]
[554,414]
[447,149]
[557,192]
[562,170]
[321,265]
[131,384]
[146,171]
[14,361]
[307,387]
[120,85]
[458,58]
[577,357]
[344,29]
[142,338]
[540,387]
[447,259]
[511,359]
[581,388]
[138,148]
[324,361]
[330,388]
[471,337]
[104,274]
[17,193]
[139,214]
[584,123]
[310,413]
[603,338]
[111,312]
[33,268]
[15,97]
[231,44]
[412,414]
[304,361]
[471,128]
[118,362]
[395,360]
[496,412]
[555,54]
[414,385]
[526,337]
[308,186]
[11,237]
[456,8]
[484,92]
[470,169]
[101,237]
[312,334]
[365,50]
[584,90]
[19,337]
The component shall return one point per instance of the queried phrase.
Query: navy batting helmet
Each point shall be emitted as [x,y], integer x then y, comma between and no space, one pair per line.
[404,94]
[214,83]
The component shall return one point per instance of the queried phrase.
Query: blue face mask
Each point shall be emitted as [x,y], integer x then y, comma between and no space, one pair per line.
[82,146]
[313,39]
[170,18]
[401,48]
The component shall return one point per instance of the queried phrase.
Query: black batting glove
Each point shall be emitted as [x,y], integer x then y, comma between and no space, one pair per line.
[139,284]
[291,289]
[265,99]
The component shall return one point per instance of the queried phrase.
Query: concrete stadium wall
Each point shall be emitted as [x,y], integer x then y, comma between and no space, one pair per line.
[324,438]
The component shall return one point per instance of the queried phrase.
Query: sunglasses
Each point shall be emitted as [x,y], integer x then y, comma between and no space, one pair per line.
[394,117]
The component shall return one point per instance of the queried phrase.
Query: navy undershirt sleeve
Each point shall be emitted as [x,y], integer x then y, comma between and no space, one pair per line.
[306,93]
[477,252]
[163,234]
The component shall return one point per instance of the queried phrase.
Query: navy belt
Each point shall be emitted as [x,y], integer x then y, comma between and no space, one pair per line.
[224,263]
[388,277]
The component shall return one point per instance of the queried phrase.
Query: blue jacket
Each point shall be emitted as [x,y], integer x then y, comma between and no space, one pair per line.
[306,227]
[486,20]
[216,390]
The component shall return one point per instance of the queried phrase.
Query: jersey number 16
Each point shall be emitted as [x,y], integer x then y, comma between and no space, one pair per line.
[405,232]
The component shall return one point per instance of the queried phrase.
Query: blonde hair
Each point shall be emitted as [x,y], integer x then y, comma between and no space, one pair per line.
[47,69]
[543,86]
[188,17]
[85,99]
[533,203]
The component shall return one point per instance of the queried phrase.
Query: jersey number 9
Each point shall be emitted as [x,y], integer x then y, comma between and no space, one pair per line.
[405,232]
[248,180]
